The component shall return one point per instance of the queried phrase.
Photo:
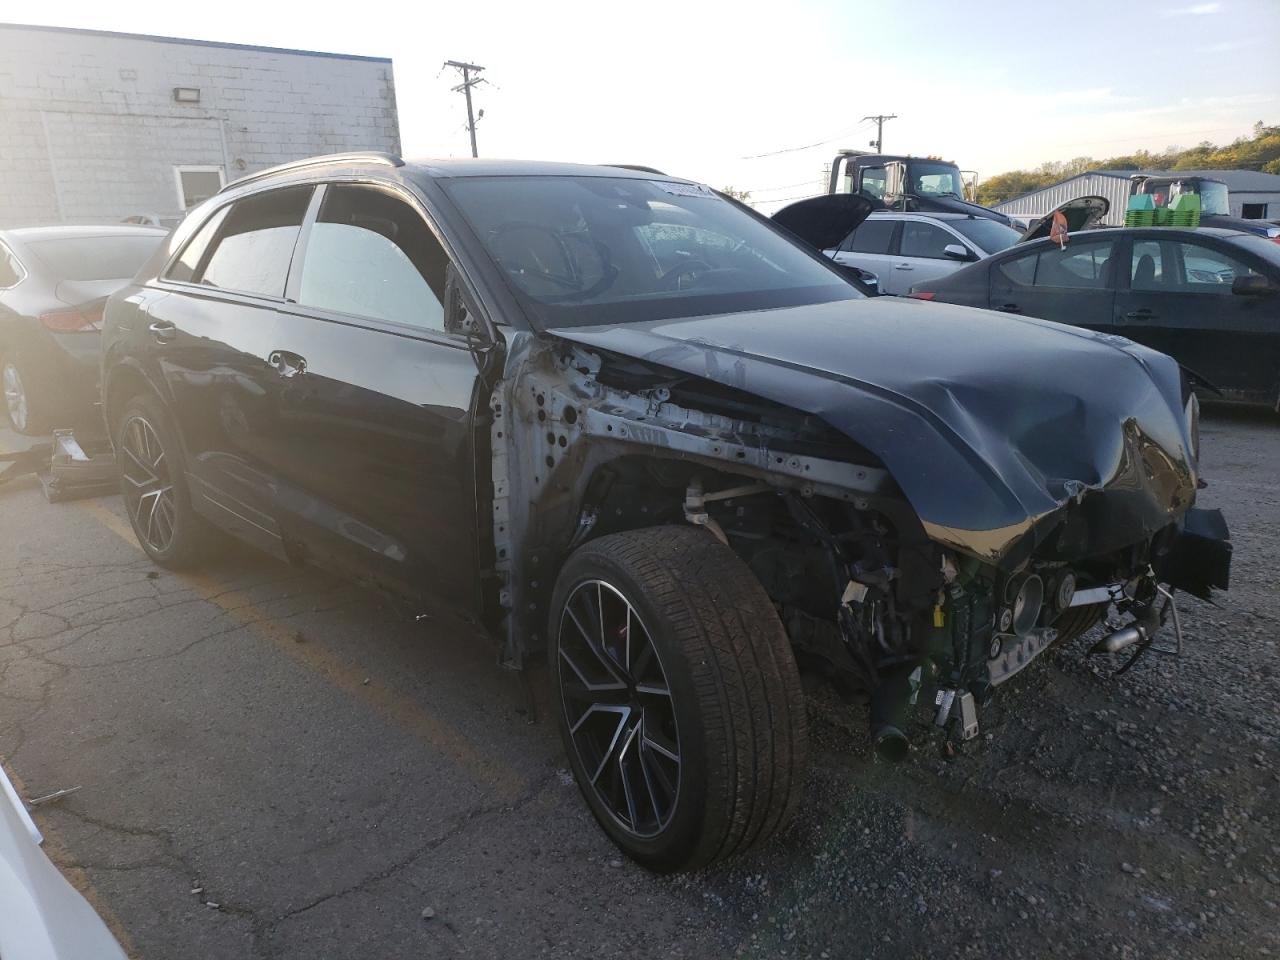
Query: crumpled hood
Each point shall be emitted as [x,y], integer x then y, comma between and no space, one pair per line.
[988,423]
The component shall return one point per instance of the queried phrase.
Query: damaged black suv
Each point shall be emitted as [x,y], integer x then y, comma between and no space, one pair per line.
[642,430]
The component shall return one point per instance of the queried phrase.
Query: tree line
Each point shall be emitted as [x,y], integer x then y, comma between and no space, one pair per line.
[1258,152]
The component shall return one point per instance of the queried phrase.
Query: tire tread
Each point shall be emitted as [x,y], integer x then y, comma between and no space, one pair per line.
[743,671]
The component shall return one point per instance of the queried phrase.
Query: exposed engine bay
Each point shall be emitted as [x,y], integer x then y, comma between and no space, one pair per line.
[894,609]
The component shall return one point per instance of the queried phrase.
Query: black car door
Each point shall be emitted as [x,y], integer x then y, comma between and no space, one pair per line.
[1177,297]
[211,340]
[372,448]
[1068,284]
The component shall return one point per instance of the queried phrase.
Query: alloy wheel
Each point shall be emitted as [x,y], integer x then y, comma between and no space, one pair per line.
[149,492]
[15,397]
[619,708]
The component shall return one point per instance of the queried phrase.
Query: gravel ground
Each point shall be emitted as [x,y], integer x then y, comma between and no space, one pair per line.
[340,784]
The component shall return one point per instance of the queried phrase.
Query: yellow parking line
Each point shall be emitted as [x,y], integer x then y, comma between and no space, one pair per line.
[402,711]
[57,851]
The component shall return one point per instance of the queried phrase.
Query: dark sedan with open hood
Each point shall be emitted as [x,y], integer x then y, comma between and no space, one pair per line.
[645,432]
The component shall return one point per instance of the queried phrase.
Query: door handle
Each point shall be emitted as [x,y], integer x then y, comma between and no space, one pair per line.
[163,330]
[1009,308]
[287,364]
[903,266]
[1143,314]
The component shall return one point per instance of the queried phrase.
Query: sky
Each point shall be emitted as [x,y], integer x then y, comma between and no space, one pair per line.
[759,96]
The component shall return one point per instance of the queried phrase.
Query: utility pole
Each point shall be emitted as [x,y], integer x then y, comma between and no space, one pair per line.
[878,142]
[470,77]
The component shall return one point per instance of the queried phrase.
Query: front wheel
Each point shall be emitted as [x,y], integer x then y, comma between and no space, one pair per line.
[679,699]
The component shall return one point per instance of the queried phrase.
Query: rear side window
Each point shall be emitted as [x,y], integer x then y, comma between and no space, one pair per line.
[1075,265]
[253,246]
[188,262]
[94,258]
[1020,271]
[372,255]
[921,239]
[1088,265]
[873,236]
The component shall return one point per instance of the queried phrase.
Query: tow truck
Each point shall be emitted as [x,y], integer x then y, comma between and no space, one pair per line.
[933,185]
[1215,200]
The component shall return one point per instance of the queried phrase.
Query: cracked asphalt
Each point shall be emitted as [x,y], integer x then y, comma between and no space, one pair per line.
[276,764]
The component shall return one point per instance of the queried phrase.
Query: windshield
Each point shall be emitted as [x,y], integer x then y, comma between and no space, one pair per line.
[1213,200]
[934,178]
[582,250]
[95,258]
[987,235]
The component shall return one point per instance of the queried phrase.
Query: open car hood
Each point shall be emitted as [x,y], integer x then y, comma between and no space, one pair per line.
[825,220]
[1082,213]
[989,425]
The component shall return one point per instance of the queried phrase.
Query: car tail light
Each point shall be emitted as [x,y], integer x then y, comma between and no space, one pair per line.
[922,294]
[73,320]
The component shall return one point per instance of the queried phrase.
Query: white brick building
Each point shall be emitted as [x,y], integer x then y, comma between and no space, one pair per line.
[97,127]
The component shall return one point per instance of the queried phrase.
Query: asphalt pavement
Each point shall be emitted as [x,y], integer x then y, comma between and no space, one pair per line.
[272,763]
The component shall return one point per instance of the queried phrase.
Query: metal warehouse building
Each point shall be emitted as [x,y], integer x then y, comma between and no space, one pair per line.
[97,126]
[1254,196]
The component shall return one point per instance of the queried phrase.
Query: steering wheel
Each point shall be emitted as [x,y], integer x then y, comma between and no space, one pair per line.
[671,279]
[513,226]
[608,272]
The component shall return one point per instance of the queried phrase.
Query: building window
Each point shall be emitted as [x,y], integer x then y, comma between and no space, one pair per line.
[1254,211]
[197,184]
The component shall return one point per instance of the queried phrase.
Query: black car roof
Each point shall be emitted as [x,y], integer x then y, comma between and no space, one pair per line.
[443,168]
[1222,233]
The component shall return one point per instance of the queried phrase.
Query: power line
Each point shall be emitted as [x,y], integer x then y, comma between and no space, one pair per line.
[786,186]
[807,146]
[470,78]
[784,200]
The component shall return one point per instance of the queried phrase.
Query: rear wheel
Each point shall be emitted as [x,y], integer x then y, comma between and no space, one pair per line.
[26,402]
[679,699]
[154,487]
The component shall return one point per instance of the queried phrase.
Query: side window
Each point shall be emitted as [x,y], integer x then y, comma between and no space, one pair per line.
[874,180]
[1146,271]
[873,236]
[1019,271]
[252,250]
[1086,266]
[1205,270]
[921,239]
[371,255]
[188,262]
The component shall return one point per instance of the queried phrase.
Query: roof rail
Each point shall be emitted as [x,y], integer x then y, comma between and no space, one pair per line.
[390,159]
[637,167]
